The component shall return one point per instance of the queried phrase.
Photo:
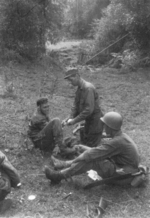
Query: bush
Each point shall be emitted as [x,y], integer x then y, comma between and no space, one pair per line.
[80,14]
[110,28]
[26,25]
[139,27]
[122,17]
[22,28]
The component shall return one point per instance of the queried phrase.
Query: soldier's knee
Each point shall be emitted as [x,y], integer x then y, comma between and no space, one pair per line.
[56,120]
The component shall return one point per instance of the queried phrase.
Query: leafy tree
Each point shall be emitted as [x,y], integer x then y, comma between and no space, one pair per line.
[122,17]
[80,15]
[139,25]
[111,26]
[27,24]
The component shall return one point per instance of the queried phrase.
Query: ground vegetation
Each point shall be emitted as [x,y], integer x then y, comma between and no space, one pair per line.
[127,93]
[31,67]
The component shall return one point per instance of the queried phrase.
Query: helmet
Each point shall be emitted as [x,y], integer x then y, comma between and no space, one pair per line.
[113,120]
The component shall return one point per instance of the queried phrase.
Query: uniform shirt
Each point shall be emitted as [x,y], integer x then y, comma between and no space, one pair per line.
[86,102]
[121,150]
[37,123]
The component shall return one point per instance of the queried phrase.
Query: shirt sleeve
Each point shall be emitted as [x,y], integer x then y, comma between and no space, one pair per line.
[102,152]
[74,110]
[11,172]
[38,122]
[2,157]
[88,106]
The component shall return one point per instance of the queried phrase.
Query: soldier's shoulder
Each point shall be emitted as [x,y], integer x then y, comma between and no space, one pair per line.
[89,85]
[37,117]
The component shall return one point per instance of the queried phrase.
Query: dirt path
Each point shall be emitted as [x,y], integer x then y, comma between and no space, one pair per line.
[127,93]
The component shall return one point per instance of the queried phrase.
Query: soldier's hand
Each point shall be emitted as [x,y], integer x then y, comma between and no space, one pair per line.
[83,148]
[70,122]
[64,123]
[56,151]
[78,148]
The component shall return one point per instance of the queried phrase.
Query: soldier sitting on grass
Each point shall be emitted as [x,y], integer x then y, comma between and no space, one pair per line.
[9,177]
[45,134]
[117,155]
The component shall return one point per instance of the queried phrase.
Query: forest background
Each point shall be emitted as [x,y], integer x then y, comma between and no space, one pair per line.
[26,26]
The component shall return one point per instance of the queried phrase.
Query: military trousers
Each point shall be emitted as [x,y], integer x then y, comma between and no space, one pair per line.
[105,169]
[52,135]
[91,140]
[91,134]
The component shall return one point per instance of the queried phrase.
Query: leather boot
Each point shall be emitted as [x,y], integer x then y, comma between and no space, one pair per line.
[52,175]
[60,164]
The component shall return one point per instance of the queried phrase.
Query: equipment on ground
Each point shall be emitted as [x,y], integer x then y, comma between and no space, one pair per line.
[117,178]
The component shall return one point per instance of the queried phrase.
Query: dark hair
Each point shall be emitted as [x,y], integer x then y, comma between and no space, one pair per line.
[41,101]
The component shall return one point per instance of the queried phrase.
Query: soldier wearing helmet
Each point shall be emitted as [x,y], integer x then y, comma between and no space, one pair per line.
[85,108]
[112,122]
[118,154]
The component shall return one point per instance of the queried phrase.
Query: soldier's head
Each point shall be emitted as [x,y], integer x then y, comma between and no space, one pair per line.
[72,76]
[42,104]
[112,122]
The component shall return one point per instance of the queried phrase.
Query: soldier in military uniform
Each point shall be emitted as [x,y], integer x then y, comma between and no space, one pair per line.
[117,155]
[45,134]
[9,177]
[85,108]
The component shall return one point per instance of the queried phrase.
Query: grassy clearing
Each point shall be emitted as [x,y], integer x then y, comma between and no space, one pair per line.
[127,93]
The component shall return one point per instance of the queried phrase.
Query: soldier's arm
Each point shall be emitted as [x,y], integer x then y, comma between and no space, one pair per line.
[10,171]
[74,110]
[39,122]
[2,157]
[102,152]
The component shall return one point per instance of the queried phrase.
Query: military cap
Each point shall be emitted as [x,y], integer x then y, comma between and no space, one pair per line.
[71,72]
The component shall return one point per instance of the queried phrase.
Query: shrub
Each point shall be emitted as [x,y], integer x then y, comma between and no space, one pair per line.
[80,14]
[21,28]
[119,18]
[111,27]
[25,25]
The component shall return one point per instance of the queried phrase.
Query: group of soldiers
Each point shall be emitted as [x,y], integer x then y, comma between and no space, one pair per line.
[109,158]
[117,155]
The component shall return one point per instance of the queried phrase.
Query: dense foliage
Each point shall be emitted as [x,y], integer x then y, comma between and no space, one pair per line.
[79,15]
[26,25]
[122,17]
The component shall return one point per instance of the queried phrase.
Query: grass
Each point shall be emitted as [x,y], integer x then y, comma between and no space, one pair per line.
[126,93]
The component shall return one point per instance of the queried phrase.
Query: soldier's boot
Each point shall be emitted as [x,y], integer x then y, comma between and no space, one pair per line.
[52,175]
[5,205]
[60,164]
